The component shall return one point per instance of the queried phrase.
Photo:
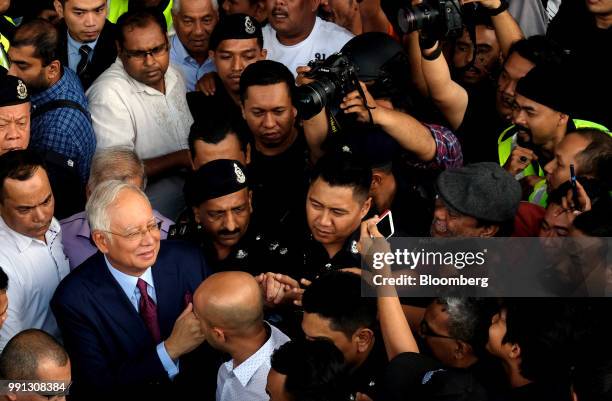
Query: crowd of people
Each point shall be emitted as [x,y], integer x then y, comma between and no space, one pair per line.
[190,189]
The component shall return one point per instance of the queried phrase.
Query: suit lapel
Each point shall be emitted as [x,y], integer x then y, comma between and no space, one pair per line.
[116,305]
[167,291]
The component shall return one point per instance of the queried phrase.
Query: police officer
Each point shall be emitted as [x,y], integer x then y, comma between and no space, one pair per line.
[220,199]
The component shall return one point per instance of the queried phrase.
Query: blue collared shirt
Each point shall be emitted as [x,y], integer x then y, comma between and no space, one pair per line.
[64,130]
[73,51]
[191,70]
[128,285]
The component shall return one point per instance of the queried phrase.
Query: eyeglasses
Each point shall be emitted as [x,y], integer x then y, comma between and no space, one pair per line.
[426,331]
[142,54]
[138,235]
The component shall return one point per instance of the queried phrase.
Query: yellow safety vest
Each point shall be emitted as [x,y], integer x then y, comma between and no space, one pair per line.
[117,8]
[4,61]
[507,141]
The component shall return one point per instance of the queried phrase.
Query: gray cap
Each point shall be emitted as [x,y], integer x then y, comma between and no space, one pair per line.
[481,190]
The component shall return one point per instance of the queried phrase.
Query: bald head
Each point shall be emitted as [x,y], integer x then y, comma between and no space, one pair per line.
[231,301]
[29,354]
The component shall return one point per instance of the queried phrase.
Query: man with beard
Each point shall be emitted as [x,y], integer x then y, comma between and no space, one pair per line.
[60,123]
[139,103]
[235,43]
[193,22]
[88,39]
[31,255]
[295,35]
[220,198]
[541,119]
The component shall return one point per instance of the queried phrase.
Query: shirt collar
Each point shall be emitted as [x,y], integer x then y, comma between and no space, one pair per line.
[245,371]
[74,46]
[23,241]
[180,51]
[127,282]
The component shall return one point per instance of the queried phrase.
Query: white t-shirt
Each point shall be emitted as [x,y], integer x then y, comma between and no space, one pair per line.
[326,38]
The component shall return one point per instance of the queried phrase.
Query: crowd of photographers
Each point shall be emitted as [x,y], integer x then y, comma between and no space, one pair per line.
[190,191]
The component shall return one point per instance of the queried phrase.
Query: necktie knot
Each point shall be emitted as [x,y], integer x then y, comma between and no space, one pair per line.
[142,286]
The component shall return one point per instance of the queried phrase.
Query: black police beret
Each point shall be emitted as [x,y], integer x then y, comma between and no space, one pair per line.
[213,180]
[235,26]
[13,91]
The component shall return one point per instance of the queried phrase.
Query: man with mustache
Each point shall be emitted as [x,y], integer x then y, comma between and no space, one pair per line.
[139,103]
[295,35]
[220,198]
[194,21]
[541,119]
[31,254]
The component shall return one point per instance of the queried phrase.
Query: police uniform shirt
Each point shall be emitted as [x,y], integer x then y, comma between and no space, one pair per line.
[279,184]
[202,107]
[317,260]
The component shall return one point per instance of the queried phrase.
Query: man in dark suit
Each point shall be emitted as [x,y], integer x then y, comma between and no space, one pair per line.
[88,38]
[125,314]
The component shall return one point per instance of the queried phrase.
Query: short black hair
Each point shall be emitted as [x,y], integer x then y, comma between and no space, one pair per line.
[43,36]
[545,334]
[600,147]
[3,280]
[264,73]
[26,350]
[538,49]
[594,188]
[315,370]
[213,131]
[18,165]
[342,169]
[337,296]
[139,18]
[597,222]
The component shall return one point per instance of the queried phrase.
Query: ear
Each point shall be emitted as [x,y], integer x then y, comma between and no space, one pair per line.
[462,349]
[563,119]
[101,240]
[251,201]
[219,334]
[243,112]
[315,4]
[515,351]
[58,8]
[377,180]
[54,69]
[196,214]
[211,55]
[248,153]
[489,231]
[363,338]
[365,208]
[264,54]
[293,112]
[118,46]
[193,167]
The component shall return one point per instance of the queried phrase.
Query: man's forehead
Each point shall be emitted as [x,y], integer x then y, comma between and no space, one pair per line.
[332,196]
[238,45]
[85,4]
[15,111]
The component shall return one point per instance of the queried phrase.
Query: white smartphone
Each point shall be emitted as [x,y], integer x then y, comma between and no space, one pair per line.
[385,224]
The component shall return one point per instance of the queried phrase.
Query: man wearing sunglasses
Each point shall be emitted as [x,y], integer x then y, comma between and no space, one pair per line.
[139,103]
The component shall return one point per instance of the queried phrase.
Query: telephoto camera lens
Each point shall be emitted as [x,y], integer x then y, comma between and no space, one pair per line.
[313,97]
[417,17]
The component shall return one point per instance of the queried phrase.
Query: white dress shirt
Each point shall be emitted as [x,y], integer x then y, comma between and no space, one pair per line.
[34,269]
[247,381]
[126,112]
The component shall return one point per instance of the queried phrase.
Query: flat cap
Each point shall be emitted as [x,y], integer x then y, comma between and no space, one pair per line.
[13,91]
[481,190]
[213,180]
[235,26]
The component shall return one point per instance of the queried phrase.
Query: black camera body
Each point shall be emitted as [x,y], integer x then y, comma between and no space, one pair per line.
[334,78]
[442,16]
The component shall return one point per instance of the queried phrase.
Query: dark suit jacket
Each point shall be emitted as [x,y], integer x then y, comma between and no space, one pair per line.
[105,52]
[111,350]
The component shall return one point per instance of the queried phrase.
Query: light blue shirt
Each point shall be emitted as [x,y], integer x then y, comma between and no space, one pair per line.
[191,70]
[73,51]
[128,285]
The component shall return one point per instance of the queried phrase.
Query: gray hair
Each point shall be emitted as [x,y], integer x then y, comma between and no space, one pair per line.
[176,6]
[115,163]
[463,317]
[102,197]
